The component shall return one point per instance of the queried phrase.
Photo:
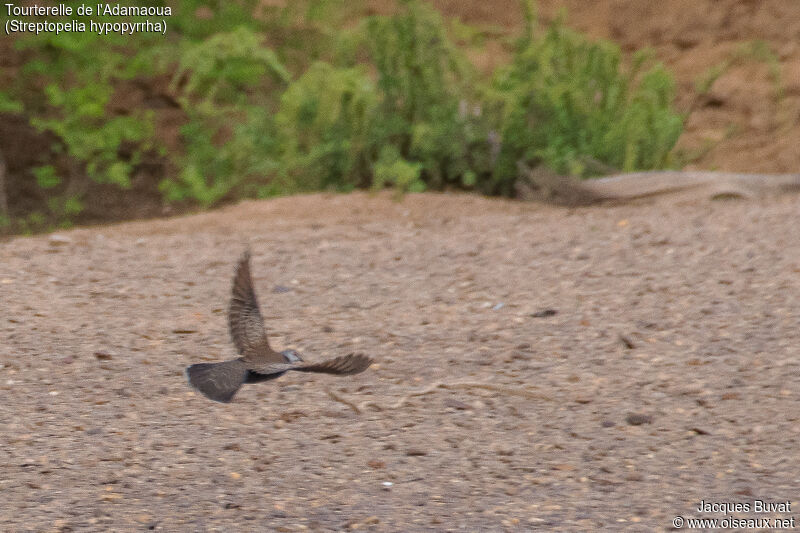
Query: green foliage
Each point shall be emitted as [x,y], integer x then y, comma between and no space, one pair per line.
[46,176]
[76,75]
[425,84]
[65,205]
[224,66]
[419,70]
[276,100]
[30,223]
[530,15]
[223,83]
[568,101]
[325,122]
[229,82]
[391,168]
[213,169]
[8,104]
[195,20]
[80,121]
[75,59]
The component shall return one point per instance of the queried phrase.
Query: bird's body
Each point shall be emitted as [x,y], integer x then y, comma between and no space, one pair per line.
[258,361]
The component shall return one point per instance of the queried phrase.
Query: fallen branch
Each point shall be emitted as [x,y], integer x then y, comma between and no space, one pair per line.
[343,400]
[539,184]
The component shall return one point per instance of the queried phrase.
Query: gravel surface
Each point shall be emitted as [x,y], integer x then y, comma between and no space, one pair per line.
[536,367]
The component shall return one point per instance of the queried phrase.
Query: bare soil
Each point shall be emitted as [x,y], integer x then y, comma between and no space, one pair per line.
[601,368]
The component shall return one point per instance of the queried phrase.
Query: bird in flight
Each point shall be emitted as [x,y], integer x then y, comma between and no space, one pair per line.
[258,361]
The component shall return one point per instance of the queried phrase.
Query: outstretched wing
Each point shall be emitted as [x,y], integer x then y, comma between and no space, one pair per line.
[244,319]
[344,365]
[341,366]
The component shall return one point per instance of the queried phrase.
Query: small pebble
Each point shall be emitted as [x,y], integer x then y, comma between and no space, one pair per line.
[456,404]
[637,419]
[626,342]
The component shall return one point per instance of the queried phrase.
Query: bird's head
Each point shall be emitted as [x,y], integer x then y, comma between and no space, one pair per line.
[291,356]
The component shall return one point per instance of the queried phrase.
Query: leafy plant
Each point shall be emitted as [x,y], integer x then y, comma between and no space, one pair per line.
[46,176]
[223,83]
[9,104]
[81,123]
[280,99]
[568,101]
[391,168]
[326,119]
[213,169]
[224,66]
[76,74]
[428,110]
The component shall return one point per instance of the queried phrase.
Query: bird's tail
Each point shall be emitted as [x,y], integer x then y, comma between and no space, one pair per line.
[217,381]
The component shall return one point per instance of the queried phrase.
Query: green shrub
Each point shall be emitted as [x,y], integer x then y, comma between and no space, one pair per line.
[392,169]
[325,121]
[74,76]
[9,104]
[212,170]
[276,100]
[224,84]
[46,176]
[223,67]
[428,110]
[568,102]
[196,20]
[80,73]
[89,135]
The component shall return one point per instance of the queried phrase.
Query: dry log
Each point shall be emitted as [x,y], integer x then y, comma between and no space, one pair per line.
[537,184]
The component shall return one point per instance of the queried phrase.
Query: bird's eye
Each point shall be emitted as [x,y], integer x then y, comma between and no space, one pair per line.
[292,356]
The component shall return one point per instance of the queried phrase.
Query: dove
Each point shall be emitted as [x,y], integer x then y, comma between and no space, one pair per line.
[258,361]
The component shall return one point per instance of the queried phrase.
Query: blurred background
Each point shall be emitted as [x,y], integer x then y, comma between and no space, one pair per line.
[253,99]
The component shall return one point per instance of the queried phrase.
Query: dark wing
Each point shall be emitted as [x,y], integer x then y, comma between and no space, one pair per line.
[268,368]
[244,319]
[344,365]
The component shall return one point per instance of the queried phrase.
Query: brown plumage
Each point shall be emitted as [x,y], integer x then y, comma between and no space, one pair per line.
[258,361]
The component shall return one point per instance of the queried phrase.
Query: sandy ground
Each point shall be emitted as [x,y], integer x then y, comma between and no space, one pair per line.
[667,375]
